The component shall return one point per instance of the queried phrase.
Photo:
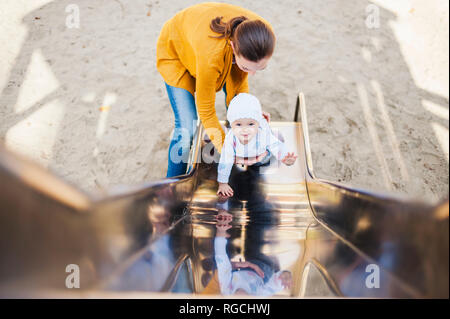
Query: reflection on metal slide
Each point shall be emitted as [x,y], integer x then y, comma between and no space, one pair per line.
[283,233]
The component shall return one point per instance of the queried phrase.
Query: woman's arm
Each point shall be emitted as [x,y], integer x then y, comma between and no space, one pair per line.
[205,87]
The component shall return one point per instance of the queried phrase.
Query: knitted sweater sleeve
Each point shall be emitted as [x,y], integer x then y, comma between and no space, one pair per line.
[205,100]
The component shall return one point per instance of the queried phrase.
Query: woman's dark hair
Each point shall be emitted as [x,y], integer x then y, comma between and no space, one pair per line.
[252,39]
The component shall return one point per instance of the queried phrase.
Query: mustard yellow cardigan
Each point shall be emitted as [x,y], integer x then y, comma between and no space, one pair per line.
[188,57]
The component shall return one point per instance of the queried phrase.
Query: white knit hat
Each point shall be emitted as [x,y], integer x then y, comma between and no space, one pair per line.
[244,106]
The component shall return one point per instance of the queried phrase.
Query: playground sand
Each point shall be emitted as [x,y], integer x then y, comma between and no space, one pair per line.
[88,103]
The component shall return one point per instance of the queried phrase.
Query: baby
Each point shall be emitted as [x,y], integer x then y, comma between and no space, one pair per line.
[251,279]
[250,136]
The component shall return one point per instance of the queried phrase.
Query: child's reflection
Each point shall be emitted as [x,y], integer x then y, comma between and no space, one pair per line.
[244,278]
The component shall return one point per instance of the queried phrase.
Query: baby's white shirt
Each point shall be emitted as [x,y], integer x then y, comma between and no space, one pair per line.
[230,281]
[232,147]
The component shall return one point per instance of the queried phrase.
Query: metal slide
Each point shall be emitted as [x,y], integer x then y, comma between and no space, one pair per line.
[158,239]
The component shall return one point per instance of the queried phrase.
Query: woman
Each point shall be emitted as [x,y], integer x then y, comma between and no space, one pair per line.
[201,50]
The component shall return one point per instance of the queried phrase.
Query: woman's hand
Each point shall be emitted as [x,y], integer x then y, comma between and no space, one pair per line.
[250,160]
[266,115]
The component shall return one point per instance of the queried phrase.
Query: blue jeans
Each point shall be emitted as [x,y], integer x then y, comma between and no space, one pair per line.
[185,112]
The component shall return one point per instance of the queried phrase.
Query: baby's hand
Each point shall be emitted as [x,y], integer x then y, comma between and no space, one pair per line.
[225,190]
[289,159]
[222,230]
[286,279]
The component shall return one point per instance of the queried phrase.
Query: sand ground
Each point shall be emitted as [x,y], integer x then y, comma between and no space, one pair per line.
[89,104]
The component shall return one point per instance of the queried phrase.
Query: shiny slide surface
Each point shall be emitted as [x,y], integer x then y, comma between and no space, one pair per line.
[283,233]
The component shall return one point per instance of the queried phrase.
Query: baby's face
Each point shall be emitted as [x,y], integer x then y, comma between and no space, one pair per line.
[245,129]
